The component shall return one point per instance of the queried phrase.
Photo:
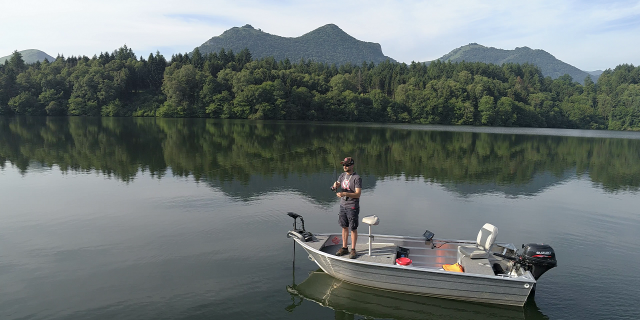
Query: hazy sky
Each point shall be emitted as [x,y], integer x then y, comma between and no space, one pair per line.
[590,34]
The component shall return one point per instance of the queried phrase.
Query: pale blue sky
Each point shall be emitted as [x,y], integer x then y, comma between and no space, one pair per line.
[590,35]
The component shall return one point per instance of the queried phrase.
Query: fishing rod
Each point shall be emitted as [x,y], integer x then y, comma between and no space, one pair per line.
[335,171]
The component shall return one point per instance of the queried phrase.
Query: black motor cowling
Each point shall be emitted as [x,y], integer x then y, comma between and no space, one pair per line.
[301,234]
[539,258]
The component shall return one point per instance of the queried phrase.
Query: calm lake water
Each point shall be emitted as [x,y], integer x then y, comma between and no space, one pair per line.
[186,219]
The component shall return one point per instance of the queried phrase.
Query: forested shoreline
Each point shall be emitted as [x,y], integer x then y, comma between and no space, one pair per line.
[232,85]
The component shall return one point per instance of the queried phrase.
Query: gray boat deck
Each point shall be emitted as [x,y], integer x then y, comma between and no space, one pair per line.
[380,253]
[422,255]
[384,253]
[477,266]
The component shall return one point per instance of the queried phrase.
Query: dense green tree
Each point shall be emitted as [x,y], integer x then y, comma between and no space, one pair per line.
[196,59]
[182,85]
[25,103]
[487,109]
[229,85]
[155,67]
[628,110]
[505,115]
[16,63]
[298,106]
[265,101]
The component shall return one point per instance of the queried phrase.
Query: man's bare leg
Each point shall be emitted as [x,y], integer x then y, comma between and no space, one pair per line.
[354,239]
[345,236]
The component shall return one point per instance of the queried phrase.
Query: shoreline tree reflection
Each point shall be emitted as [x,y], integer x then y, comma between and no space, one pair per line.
[220,151]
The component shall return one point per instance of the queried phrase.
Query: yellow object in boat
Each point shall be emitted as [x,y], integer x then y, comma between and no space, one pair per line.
[453,267]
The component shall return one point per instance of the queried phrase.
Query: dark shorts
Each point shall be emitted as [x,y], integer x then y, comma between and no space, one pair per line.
[348,217]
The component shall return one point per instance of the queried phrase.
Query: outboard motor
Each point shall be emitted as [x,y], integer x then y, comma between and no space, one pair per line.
[538,258]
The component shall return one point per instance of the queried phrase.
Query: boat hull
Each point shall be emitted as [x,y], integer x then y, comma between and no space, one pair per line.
[424,281]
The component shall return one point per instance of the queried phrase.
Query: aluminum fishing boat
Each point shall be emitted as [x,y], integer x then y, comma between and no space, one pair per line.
[487,271]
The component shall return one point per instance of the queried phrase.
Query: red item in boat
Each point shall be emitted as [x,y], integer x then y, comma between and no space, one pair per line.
[403,261]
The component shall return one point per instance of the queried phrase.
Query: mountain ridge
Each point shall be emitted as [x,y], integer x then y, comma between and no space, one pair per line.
[30,56]
[327,44]
[330,44]
[548,64]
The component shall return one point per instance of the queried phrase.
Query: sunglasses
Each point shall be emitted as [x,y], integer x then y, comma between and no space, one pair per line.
[347,165]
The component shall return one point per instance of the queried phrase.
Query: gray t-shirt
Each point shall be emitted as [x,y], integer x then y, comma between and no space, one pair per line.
[349,183]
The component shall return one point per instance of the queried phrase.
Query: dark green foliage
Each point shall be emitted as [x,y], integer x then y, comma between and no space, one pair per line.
[229,85]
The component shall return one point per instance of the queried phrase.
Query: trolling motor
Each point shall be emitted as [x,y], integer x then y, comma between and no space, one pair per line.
[303,235]
[537,258]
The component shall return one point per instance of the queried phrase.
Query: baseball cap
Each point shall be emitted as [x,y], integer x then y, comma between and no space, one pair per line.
[348,161]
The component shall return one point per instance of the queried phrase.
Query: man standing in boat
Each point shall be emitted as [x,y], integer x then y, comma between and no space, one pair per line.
[351,185]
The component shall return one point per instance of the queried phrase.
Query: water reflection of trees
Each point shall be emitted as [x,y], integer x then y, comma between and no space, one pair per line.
[218,150]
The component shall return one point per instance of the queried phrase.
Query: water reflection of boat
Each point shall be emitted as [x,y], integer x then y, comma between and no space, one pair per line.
[349,299]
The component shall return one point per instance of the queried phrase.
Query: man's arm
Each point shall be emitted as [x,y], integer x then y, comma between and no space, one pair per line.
[336,184]
[350,194]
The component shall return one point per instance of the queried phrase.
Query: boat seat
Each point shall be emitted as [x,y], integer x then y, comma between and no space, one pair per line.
[371,220]
[484,242]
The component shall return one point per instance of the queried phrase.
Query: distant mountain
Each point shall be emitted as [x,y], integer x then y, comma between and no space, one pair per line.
[30,56]
[328,44]
[596,73]
[549,65]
